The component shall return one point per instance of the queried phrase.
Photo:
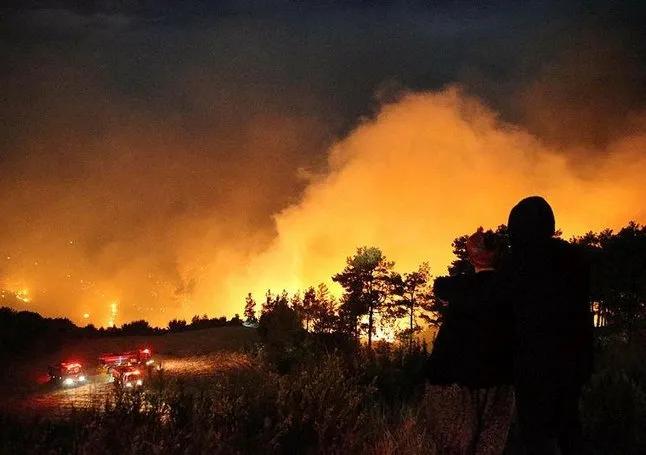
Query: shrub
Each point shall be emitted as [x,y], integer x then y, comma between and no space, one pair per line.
[614,413]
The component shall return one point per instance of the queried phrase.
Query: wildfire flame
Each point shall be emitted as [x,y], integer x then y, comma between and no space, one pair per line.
[424,170]
[427,169]
[113,314]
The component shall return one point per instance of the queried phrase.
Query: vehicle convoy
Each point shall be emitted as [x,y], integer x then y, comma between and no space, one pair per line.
[128,377]
[68,374]
[139,357]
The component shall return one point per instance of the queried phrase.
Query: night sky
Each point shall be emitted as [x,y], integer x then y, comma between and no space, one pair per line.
[170,159]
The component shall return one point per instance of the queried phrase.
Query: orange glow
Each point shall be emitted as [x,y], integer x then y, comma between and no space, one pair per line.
[426,169]
[429,168]
[22,294]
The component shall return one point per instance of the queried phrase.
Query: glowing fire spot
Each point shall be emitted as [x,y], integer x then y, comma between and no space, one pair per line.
[381,332]
[22,294]
[113,314]
[385,334]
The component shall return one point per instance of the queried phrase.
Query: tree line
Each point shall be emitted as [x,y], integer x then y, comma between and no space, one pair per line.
[618,276]
[26,332]
[376,297]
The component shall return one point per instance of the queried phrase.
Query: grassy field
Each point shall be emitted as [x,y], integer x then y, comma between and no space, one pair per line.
[194,342]
[190,355]
[189,343]
[242,405]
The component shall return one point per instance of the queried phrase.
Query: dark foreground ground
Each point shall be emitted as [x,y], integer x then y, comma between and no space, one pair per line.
[212,398]
[190,357]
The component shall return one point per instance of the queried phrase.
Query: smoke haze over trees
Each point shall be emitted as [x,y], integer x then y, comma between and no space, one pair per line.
[170,159]
[379,301]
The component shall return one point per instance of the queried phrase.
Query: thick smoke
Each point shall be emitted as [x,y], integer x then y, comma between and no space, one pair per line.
[172,166]
[431,167]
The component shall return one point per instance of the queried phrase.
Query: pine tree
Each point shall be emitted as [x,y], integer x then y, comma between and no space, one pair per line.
[367,283]
[250,309]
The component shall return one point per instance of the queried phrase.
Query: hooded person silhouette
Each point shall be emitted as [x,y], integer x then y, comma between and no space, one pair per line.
[548,281]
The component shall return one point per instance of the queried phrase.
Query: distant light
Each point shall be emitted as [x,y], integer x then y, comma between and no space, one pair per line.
[86,315]
[113,313]
[22,294]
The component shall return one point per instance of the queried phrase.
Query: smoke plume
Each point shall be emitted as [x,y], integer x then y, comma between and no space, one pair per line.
[158,165]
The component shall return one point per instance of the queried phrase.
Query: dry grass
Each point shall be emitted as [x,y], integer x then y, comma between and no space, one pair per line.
[186,356]
[322,408]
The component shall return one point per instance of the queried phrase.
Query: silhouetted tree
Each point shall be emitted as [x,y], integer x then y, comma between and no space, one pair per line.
[414,300]
[461,265]
[219,322]
[281,332]
[140,327]
[367,284]
[324,311]
[309,306]
[268,304]
[618,275]
[235,320]
[296,303]
[23,332]
[271,300]
[177,325]
[250,309]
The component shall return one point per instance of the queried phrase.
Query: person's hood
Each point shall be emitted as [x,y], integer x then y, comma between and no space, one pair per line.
[531,220]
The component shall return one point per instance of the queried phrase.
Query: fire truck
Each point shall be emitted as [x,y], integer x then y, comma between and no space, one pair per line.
[127,377]
[139,357]
[68,374]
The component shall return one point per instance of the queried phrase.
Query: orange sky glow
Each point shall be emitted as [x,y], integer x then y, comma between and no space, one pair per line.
[425,169]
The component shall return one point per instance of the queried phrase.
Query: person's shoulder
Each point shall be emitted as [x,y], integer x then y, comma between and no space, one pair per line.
[450,278]
[445,287]
[572,253]
[567,248]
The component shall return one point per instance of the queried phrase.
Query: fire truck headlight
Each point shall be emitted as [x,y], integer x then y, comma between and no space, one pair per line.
[68,381]
[140,382]
[82,378]
[150,362]
[128,384]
